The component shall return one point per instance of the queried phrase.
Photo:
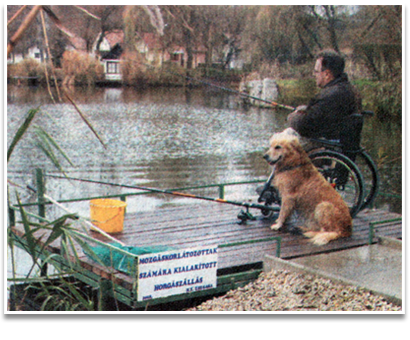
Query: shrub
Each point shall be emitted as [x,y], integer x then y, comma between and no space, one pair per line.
[27,68]
[84,68]
[382,97]
[296,91]
[388,100]
[172,74]
[133,69]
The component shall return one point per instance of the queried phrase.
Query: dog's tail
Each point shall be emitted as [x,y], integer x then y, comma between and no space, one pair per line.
[320,238]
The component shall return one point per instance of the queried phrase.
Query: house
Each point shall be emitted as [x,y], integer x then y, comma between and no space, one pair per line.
[150,46]
[33,52]
[109,51]
[111,62]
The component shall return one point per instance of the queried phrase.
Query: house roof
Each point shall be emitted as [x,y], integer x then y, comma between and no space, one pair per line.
[114,37]
[115,53]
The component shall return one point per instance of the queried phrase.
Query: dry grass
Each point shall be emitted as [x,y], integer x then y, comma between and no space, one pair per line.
[82,68]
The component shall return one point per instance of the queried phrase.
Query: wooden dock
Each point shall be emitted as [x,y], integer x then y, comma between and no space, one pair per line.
[217,224]
[211,224]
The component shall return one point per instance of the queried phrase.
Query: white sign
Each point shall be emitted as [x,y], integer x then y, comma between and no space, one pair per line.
[176,272]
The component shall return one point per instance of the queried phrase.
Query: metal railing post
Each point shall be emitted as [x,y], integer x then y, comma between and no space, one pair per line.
[40,192]
[222,191]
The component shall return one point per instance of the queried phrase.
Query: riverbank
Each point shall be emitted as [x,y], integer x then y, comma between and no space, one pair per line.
[284,291]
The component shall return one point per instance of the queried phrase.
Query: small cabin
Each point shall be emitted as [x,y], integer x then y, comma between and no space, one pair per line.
[111,62]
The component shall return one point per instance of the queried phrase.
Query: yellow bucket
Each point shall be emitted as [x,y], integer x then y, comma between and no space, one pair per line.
[108,214]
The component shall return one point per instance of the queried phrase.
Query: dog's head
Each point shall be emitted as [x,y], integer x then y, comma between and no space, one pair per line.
[285,148]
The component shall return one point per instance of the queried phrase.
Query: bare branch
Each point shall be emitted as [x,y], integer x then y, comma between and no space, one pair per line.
[57,21]
[87,12]
[16,14]
[26,23]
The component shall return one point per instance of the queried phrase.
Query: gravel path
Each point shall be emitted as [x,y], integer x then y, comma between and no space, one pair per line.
[288,291]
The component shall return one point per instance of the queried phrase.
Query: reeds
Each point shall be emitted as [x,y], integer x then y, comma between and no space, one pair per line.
[55,292]
[64,296]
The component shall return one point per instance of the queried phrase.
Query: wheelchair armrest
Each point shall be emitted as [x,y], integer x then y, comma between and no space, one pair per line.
[327,142]
[368,113]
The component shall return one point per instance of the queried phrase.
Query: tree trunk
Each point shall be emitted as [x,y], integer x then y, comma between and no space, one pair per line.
[331,26]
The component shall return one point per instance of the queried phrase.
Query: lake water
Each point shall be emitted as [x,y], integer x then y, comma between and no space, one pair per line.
[164,138]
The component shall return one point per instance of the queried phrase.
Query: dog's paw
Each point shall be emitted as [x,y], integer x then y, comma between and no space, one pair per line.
[310,234]
[323,238]
[319,240]
[276,226]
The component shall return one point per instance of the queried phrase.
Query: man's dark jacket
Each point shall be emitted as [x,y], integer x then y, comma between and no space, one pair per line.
[326,112]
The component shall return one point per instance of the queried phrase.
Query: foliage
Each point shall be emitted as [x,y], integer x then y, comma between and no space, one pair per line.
[44,142]
[137,72]
[296,92]
[169,74]
[388,100]
[382,60]
[68,297]
[133,69]
[62,295]
[21,131]
[29,68]
[84,68]
[383,97]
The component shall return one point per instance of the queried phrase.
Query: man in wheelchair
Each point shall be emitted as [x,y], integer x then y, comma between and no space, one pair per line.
[332,116]
[326,114]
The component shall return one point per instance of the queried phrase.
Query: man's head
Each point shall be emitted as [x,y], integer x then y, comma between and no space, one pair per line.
[329,65]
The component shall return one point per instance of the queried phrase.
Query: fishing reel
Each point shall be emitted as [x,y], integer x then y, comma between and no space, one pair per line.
[245,216]
[269,195]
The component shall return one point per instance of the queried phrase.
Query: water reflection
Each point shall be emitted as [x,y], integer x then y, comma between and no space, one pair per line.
[164,138]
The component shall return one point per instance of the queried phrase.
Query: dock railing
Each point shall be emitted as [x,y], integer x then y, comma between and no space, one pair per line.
[42,201]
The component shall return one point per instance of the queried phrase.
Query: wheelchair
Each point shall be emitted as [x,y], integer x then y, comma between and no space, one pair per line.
[343,163]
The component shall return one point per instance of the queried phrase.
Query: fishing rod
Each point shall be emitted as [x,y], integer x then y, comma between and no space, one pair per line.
[243,94]
[177,193]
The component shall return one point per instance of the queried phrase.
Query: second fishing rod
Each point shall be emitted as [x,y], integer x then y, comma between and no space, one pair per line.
[247,205]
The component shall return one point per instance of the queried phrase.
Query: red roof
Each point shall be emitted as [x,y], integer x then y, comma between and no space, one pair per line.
[115,37]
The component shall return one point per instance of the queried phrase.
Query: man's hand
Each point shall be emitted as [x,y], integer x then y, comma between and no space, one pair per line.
[300,110]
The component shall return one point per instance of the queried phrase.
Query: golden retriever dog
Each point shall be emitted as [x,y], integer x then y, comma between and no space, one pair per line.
[303,188]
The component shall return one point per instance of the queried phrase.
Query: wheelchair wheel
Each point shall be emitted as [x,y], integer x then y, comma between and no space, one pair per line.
[344,175]
[270,196]
[370,176]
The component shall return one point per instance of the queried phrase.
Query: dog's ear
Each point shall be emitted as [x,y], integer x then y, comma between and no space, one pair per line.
[296,144]
[292,132]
